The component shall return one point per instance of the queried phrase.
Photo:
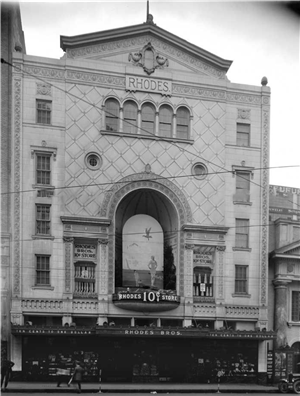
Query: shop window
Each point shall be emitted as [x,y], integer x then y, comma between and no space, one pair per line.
[84,280]
[148,119]
[182,123]
[241,279]
[203,282]
[243,135]
[296,306]
[43,111]
[165,121]
[130,116]
[242,187]
[112,109]
[242,233]
[43,219]
[42,270]
[85,270]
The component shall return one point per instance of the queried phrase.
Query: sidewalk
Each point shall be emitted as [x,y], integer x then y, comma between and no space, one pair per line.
[47,387]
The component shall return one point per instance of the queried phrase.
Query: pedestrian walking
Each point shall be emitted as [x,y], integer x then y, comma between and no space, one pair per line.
[77,376]
[6,370]
[63,375]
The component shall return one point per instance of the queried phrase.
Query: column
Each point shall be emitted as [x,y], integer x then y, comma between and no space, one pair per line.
[156,124]
[103,267]
[188,271]
[68,263]
[121,119]
[139,122]
[280,319]
[219,283]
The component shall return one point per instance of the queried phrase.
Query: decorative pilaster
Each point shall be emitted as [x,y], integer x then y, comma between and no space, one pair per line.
[103,266]
[265,127]
[220,272]
[68,263]
[188,270]
[17,117]
[280,320]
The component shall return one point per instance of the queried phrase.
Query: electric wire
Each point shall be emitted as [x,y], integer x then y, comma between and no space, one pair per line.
[135,126]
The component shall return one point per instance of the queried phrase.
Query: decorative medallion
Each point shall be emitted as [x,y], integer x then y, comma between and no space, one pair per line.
[148,59]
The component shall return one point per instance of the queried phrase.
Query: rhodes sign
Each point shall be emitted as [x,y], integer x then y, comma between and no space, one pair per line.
[153,301]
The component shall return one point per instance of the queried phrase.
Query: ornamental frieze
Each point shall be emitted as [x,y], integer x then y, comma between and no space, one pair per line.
[237,97]
[194,91]
[44,72]
[96,78]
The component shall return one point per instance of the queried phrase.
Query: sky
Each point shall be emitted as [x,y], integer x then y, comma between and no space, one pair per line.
[261,38]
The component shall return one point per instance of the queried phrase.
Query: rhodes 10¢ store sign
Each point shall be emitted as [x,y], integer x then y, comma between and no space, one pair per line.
[153,301]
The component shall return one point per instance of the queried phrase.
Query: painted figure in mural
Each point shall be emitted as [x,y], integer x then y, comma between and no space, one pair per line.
[137,278]
[6,370]
[152,266]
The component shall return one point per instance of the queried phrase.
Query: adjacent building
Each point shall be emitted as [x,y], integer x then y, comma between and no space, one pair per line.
[12,40]
[284,276]
[139,206]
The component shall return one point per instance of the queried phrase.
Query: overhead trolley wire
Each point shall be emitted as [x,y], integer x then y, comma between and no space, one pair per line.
[135,126]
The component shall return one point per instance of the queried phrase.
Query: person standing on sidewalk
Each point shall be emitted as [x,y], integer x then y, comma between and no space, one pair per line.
[77,376]
[6,370]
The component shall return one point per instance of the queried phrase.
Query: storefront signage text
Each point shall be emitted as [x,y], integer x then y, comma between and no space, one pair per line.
[147,297]
[285,211]
[285,190]
[145,84]
[85,251]
[153,332]
[202,259]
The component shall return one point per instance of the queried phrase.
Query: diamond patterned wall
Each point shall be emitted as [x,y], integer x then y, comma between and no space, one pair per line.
[124,156]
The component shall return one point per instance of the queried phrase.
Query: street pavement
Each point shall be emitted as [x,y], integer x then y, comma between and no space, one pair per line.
[135,388]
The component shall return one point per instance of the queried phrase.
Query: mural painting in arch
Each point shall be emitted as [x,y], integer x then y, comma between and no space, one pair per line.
[143,253]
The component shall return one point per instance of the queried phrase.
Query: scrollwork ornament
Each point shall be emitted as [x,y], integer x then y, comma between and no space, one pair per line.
[103,241]
[189,246]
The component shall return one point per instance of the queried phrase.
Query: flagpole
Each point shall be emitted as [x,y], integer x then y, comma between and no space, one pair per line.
[147,10]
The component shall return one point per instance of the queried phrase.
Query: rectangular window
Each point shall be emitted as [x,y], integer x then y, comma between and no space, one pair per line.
[203,282]
[43,112]
[296,306]
[43,169]
[241,281]
[296,233]
[242,233]
[43,270]
[242,186]
[243,134]
[42,219]
[85,280]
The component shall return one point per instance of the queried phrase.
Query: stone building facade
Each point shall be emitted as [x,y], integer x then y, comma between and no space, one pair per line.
[284,267]
[12,40]
[140,210]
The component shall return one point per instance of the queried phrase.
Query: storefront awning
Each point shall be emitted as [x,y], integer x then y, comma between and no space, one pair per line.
[148,332]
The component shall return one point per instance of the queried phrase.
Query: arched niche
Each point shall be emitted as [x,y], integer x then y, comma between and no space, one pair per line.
[146,193]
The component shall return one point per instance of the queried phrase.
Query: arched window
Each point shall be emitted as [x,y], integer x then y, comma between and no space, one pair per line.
[182,123]
[130,117]
[165,121]
[112,110]
[148,119]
